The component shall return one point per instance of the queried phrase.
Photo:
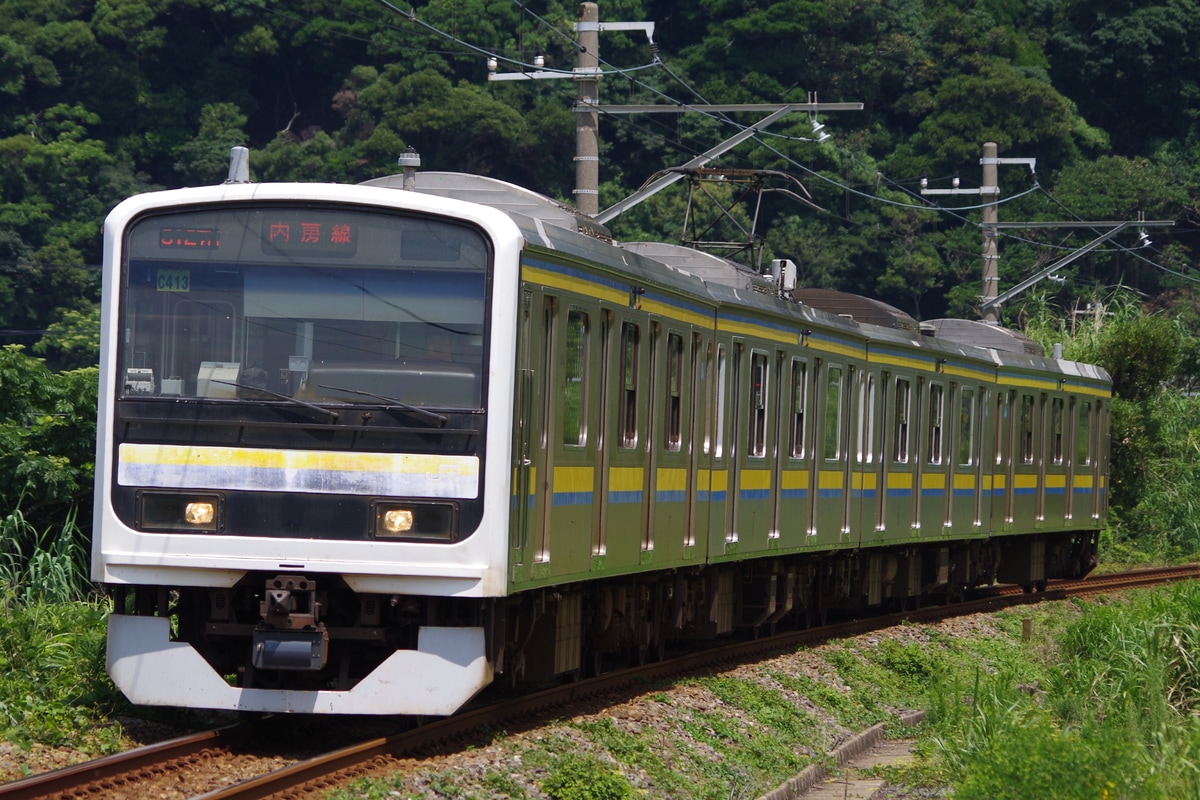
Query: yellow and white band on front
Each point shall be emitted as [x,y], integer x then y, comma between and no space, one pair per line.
[316,471]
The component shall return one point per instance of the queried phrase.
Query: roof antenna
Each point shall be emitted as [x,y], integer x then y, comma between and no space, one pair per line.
[409,161]
[239,165]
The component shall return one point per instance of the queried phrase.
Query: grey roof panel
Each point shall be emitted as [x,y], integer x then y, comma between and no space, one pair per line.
[500,195]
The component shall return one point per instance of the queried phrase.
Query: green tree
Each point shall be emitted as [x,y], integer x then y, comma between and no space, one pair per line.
[914,265]
[73,342]
[1147,54]
[455,127]
[1153,460]
[47,438]
[993,101]
[205,160]
[1141,352]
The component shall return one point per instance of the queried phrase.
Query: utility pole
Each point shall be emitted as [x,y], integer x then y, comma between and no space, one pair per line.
[587,110]
[991,215]
[990,191]
[991,300]
[587,119]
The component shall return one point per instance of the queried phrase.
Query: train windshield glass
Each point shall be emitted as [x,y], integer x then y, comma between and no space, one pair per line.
[323,304]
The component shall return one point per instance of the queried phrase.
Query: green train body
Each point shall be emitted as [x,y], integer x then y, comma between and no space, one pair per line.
[703,452]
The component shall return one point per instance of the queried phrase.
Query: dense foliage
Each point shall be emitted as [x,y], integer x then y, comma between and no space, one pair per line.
[47,438]
[1109,713]
[102,99]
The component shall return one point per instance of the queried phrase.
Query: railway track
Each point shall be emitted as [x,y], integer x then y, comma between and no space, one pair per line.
[130,771]
[200,766]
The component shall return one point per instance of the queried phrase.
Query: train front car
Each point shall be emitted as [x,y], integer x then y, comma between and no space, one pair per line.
[303,457]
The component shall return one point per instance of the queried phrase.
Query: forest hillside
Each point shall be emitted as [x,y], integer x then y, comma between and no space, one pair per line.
[99,100]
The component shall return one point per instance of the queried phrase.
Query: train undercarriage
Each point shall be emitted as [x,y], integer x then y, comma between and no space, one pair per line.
[300,633]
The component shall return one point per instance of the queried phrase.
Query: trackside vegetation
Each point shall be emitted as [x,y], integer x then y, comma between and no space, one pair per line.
[1108,709]
[1100,701]
[1154,480]
[53,688]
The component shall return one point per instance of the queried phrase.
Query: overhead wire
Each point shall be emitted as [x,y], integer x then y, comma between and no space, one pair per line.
[411,16]
[612,70]
[1127,250]
[658,63]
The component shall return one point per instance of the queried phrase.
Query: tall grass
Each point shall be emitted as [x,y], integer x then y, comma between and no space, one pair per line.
[1116,716]
[53,687]
[48,566]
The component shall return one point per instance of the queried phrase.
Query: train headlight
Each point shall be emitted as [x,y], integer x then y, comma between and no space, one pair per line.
[397,521]
[436,522]
[200,513]
[168,511]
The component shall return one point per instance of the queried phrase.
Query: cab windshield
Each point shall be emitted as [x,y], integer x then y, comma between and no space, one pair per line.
[323,304]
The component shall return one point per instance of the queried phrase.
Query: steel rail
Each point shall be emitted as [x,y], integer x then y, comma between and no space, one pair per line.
[91,777]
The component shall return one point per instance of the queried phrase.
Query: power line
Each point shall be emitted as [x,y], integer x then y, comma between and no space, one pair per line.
[724,119]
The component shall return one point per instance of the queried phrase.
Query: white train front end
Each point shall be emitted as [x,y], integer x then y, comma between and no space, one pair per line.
[303,472]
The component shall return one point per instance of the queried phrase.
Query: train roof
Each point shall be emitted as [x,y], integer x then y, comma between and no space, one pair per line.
[981,334]
[706,266]
[559,227]
[501,195]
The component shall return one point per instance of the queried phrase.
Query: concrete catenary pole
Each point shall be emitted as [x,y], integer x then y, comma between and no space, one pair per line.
[587,123]
[990,191]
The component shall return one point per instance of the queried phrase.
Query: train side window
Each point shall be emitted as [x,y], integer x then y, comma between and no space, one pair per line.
[799,406]
[1003,412]
[1056,424]
[1026,429]
[674,426]
[833,414]
[708,368]
[550,318]
[720,445]
[866,445]
[758,404]
[901,420]
[936,415]
[1083,436]
[628,421]
[575,379]
[966,427]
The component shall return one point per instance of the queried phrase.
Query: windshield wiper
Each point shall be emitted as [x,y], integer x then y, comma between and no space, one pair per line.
[280,395]
[400,404]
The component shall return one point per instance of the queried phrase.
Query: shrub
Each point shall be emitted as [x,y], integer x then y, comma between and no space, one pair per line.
[582,777]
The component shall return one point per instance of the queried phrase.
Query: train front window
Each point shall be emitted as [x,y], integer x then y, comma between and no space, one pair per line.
[327,305]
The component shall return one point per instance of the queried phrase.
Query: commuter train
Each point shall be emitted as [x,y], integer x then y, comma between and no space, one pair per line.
[367,449]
